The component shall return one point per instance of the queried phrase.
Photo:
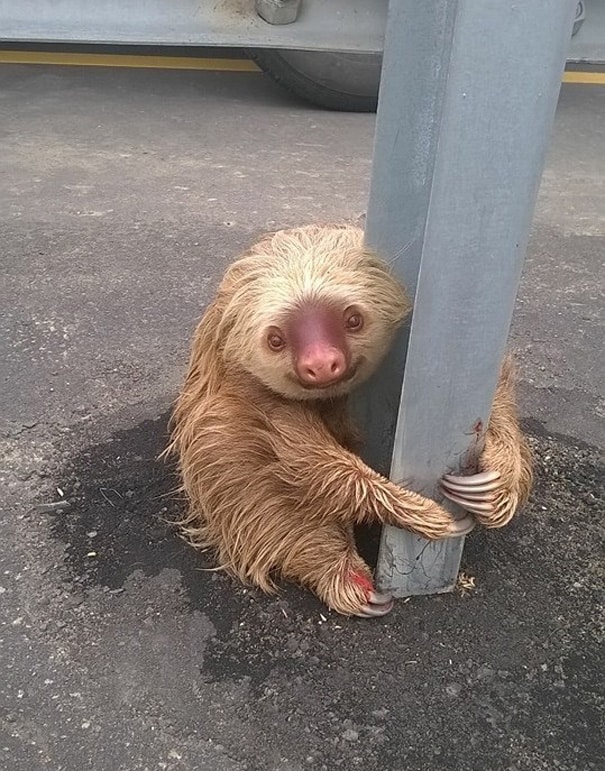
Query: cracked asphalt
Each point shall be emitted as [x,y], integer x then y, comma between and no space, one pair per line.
[123,195]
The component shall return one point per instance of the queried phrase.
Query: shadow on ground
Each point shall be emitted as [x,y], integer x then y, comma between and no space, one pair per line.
[513,666]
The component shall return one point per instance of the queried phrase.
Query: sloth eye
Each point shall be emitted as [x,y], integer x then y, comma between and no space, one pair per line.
[353,320]
[275,340]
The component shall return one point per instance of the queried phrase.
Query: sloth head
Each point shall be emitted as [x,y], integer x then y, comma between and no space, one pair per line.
[309,312]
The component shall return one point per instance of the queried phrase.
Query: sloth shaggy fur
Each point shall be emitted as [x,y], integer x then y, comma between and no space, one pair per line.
[268,466]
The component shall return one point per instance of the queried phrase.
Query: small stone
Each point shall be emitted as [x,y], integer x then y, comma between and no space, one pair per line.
[350,735]
[485,673]
[453,689]
[55,507]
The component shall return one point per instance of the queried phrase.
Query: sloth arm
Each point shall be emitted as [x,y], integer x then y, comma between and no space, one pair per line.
[333,483]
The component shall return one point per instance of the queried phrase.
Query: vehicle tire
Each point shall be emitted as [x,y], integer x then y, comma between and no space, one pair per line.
[336,81]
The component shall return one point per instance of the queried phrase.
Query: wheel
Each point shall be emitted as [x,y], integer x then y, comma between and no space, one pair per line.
[336,81]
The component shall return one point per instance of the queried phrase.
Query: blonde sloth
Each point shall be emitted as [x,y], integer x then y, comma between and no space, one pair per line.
[264,445]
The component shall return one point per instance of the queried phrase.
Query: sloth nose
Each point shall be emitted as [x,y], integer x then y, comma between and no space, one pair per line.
[321,366]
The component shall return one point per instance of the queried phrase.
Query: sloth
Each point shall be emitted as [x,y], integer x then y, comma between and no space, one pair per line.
[265,448]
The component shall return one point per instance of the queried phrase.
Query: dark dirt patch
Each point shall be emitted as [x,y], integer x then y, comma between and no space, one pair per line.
[505,677]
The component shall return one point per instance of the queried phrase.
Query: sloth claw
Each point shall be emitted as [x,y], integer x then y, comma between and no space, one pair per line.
[375,609]
[460,527]
[478,497]
[473,480]
[475,493]
[470,488]
[379,598]
[474,506]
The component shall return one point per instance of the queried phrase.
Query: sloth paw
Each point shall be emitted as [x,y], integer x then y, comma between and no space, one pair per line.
[376,603]
[354,595]
[433,522]
[485,495]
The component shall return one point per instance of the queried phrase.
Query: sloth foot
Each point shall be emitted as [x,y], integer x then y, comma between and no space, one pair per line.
[376,603]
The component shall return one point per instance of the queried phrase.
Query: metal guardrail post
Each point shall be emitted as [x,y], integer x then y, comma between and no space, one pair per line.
[468,96]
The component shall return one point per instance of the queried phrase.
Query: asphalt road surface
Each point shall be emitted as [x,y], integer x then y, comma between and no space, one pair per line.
[123,195]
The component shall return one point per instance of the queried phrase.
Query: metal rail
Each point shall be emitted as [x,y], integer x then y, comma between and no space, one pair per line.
[334,25]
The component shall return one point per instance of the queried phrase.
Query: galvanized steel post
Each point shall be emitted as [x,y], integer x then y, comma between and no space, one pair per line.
[468,95]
